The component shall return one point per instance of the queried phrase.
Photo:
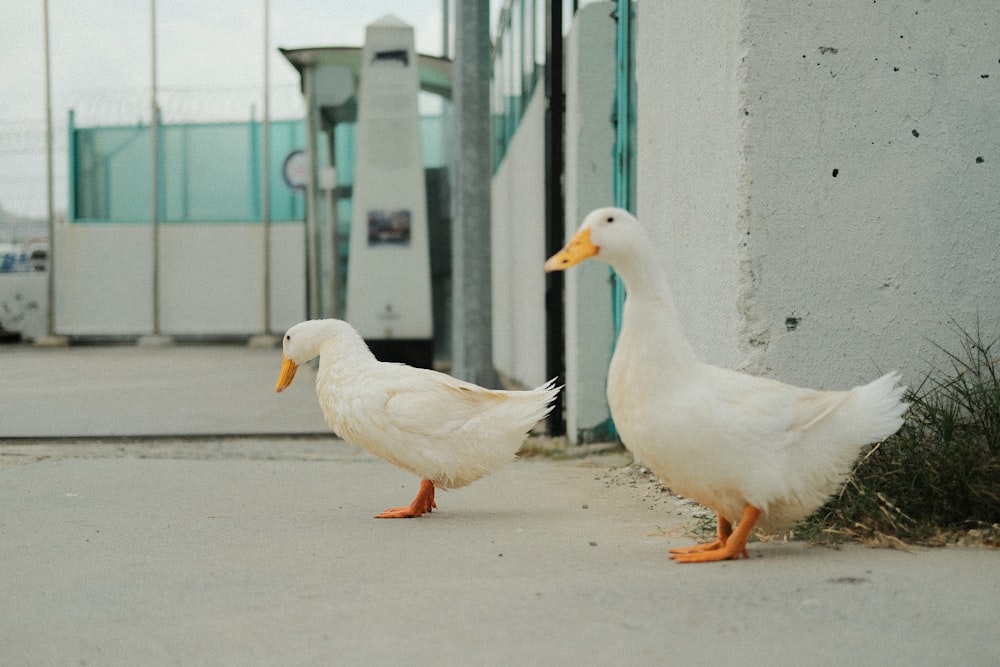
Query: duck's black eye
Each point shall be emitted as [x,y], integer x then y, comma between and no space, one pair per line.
[288,336]
[610,219]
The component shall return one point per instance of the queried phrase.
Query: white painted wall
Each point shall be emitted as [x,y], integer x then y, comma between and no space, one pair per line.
[22,303]
[746,109]
[288,275]
[103,279]
[211,279]
[589,184]
[518,251]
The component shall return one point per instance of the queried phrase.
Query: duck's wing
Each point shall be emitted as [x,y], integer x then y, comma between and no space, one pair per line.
[862,414]
[769,407]
[812,408]
[432,404]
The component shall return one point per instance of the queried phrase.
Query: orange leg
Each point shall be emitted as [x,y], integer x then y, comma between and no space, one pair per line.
[729,548]
[725,529]
[423,503]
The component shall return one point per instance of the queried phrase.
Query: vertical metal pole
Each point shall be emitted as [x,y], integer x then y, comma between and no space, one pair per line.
[445,28]
[331,254]
[624,186]
[555,207]
[71,160]
[51,261]
[473,323]
[155,168]
[266,173]
[312,249]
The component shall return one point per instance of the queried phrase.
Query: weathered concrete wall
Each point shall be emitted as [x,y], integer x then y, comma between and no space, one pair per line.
[589,180]
[689,160]
[518,251]
[823,178]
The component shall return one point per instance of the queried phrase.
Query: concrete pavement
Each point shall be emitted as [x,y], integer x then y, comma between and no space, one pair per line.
[163,539]
[136,391]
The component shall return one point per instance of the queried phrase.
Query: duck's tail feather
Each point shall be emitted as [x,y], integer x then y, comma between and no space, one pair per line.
[884,406]
[545,395]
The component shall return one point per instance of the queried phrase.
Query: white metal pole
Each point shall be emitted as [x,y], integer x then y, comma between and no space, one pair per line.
[266,173]
[51,260]
[312,240]
[155,205]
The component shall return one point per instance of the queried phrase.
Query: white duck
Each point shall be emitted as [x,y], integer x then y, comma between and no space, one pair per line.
[446,431]
[753,450]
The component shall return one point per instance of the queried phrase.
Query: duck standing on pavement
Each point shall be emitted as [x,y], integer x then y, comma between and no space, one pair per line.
[445,431]
[757,452]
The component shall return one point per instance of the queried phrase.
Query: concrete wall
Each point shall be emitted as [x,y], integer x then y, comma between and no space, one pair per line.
[689,161]
[210,279]
[822,178]
[518,251]
[589,181]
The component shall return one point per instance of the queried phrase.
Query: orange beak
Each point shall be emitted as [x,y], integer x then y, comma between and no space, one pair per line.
[288,368]
[578,249]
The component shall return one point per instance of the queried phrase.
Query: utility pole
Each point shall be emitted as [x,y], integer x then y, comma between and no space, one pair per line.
[156,338]
[472,342]
[446,28]
[50,338]
[155,171]
[264,338]
[50,315]
[266,172]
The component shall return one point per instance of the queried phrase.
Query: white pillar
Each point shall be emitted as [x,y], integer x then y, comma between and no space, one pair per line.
[389,275]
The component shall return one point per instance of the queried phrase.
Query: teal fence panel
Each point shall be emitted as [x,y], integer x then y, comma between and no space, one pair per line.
[111,173]
[208,172]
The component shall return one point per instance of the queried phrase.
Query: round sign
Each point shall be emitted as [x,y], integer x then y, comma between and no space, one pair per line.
[295,170]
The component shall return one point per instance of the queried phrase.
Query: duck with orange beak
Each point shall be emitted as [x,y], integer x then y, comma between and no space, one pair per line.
[445,431]
[757,452]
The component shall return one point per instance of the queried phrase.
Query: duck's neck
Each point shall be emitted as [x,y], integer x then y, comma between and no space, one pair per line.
[650,321]
[342,360]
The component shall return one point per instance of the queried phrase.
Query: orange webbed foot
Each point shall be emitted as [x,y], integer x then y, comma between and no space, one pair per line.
[698,548]
[422,504]
[725,552]
[729,546]
[724,530]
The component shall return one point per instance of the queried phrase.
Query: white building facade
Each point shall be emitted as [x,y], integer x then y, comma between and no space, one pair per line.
[821,179]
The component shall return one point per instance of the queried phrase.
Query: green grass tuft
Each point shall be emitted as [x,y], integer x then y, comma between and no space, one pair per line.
[940,474]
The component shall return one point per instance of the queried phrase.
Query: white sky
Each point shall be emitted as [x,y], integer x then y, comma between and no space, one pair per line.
[104,45]
[209,55]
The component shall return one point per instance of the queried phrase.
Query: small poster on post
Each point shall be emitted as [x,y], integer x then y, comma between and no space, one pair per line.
[389,227]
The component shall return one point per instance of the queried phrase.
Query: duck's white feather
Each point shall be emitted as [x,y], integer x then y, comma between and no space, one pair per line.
[724,438]
[437,427]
